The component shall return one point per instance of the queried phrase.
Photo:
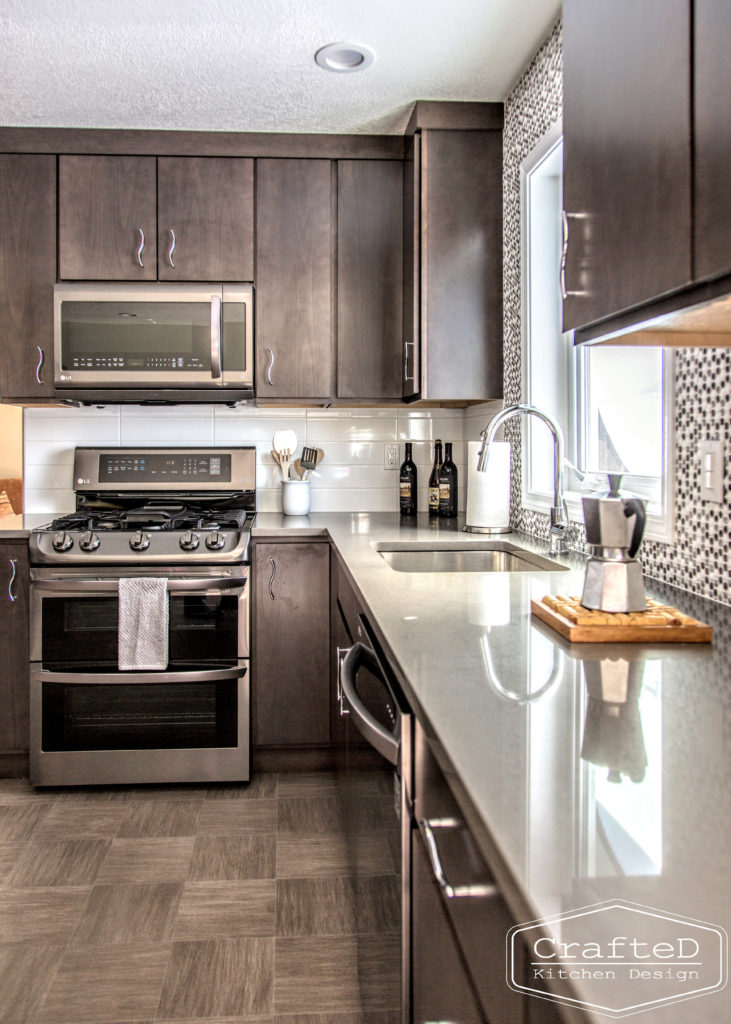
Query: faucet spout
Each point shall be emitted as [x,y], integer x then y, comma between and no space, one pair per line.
[559,515]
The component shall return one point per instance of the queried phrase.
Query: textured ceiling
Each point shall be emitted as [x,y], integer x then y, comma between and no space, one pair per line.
[248,65]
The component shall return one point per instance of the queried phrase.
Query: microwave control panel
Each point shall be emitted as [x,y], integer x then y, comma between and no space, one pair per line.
[142,361]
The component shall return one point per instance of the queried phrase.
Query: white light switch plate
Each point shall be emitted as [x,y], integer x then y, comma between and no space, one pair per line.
[711,456]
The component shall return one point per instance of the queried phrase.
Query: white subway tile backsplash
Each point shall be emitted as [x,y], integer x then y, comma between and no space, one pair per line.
[167,430]
[351,478]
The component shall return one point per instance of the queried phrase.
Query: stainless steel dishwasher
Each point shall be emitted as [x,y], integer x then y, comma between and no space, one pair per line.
[379,809]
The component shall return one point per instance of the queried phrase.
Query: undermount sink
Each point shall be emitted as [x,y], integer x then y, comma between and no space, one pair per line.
[493,556]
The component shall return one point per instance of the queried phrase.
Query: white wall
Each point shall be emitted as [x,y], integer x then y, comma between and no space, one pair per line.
[351,477]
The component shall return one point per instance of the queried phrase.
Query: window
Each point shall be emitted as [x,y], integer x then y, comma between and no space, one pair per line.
[614,403]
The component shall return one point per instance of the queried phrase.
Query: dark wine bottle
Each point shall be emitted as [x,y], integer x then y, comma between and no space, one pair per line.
[407,485]
[434,480]
[448,485]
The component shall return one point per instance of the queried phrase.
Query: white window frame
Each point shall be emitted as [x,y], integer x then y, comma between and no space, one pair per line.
[659,527]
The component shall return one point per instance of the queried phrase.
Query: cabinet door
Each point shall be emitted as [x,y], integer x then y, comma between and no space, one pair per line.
[461,265]
[370,278]
[107,218]
[14,631]
[205,219]
[627,156]
[441,986]
[290,665]
[27,274]
[712,182]
[412,218]
[294,250]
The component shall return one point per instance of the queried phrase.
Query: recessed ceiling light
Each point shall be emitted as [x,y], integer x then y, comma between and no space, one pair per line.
[344,57]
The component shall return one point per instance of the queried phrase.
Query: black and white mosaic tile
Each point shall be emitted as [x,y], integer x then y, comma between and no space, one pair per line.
[699,559]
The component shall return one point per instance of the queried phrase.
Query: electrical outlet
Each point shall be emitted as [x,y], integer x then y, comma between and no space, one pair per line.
[391,456]
[711,455]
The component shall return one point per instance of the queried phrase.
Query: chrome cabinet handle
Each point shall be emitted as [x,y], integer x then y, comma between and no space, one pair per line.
[39,364]
[406,361]
[215,336]
[565,293]
[171,248]
[450,891]
[342,651]
[140,247]
[271,578]
[269,367]
[14,566]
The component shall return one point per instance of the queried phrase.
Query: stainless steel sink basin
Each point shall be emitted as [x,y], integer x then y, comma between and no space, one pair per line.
[493,556]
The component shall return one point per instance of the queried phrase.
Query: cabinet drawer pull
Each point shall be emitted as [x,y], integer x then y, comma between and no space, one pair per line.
[269,367]
[171,248]
[39,364]
[406,361]
[450,891]
[14,567]
[140,247]
[271,578]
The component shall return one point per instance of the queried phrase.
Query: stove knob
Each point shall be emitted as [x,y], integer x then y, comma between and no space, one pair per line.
[139,541]
[89,541]
[215,540]
[189,541]
[62,541]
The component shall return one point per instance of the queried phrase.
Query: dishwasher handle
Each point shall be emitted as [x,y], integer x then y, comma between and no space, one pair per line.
[385,742]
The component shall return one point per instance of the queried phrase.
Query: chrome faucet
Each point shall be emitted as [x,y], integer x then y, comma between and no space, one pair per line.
[559,514]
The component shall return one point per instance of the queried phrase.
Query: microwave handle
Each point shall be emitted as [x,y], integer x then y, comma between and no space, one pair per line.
[215,336]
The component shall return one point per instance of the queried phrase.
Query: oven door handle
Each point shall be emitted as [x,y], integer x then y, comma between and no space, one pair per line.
[74,585]
[211,675]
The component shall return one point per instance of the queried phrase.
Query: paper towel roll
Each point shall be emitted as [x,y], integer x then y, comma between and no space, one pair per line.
[488,493]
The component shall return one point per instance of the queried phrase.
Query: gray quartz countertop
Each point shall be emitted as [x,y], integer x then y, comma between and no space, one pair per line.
[591,773]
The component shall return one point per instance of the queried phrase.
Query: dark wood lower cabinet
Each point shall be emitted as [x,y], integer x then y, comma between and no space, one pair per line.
[291,650]
[14,664]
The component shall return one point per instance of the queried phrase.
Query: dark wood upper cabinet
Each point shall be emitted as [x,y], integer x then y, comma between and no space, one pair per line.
[294,279]
[107,221]
[27,274]
[627,153]
[458,222]
[370,278]
[291,660]
[712,181]
[205,219]
[14,676]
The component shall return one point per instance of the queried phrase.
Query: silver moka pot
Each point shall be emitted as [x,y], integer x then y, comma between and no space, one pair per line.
[614,529]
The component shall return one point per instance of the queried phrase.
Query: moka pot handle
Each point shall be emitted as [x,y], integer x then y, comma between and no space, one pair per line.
[635,507]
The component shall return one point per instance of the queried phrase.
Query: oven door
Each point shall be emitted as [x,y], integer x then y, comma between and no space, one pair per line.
[91,723]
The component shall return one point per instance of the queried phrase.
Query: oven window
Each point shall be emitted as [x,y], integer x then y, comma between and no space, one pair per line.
[139,717]
[83,630]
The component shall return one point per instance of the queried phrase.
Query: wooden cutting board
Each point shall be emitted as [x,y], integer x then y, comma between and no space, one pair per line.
[659,624]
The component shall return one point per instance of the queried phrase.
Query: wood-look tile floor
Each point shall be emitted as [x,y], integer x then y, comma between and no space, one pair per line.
[193,905]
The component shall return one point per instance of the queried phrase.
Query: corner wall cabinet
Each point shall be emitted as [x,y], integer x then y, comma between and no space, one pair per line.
[453,281]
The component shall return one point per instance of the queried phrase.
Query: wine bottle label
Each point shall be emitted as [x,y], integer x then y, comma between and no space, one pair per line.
[433,497]
[444,491]
[405,488]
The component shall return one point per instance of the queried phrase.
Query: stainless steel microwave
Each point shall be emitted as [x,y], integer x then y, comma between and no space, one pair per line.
[164,342]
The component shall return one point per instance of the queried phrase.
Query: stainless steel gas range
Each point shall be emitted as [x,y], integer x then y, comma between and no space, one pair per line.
[159,541]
